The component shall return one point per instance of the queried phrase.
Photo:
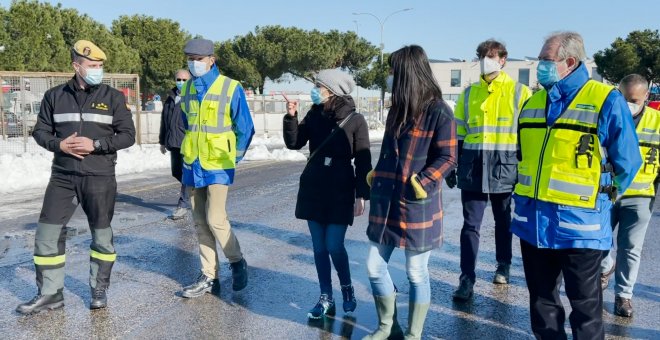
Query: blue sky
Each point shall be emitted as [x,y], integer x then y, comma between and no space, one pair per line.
[445,29]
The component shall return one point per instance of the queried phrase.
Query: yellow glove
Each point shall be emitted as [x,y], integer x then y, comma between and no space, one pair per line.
[420,193]
[370,177]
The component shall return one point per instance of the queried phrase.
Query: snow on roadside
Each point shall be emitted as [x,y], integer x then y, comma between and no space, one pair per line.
[261,153]
[32,169]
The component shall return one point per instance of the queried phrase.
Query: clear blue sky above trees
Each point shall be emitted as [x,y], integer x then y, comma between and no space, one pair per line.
[444,28]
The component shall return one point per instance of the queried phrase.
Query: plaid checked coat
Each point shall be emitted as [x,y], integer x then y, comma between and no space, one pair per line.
[428,148]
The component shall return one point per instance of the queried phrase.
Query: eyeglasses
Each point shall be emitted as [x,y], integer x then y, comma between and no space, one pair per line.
[180,79]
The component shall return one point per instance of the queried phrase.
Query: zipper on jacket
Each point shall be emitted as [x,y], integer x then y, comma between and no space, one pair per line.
[540,165]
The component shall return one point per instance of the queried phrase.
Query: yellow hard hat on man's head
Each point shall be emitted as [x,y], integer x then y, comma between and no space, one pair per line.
[87,49]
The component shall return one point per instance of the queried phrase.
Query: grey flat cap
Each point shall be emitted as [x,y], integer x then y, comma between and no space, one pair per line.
[199,47]
[338,82]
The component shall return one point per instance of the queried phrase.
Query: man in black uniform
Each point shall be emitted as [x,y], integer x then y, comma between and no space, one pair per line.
[84,123]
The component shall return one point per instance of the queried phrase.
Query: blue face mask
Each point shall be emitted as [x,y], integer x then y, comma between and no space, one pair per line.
[93,76]
[315,94]
[179,84]
[197,68]
[547,74]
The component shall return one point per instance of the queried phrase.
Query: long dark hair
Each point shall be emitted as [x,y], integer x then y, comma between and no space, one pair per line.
[414,88]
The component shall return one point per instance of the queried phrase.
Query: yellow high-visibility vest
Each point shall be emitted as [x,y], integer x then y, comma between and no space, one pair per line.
[648,132]
[209,135]
[489,121]
[561,163]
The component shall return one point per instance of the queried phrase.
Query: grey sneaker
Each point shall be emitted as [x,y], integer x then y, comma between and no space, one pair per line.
[502,274]
[465,289]
[179,213]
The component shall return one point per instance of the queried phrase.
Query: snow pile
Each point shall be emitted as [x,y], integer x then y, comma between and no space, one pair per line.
[271,140]
[376,135]
[20,170]
[136,159]
[25,171]
[261,153]
[32,170]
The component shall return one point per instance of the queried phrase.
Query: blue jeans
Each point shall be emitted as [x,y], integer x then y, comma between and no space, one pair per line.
[416,269]
[328,242]
[632,215]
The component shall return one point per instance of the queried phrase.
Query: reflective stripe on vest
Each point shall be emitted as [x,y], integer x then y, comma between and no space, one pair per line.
[209,137]
[492,137]
[648,132]
[561,163]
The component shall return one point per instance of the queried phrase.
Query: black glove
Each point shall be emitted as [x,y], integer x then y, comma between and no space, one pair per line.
[451,179]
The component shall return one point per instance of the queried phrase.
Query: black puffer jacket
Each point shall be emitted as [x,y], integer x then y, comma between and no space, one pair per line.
[327,193]
[171,122]
[97,112]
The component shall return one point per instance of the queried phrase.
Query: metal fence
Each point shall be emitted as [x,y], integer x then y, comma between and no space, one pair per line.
[20,101]
[22,93]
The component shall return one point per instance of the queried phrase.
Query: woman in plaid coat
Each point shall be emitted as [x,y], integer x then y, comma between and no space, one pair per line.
[419,150]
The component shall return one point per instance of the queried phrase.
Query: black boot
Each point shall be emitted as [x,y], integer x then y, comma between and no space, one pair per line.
[348,293]
[41,302]
[239,274]
[203,284]
[99,298]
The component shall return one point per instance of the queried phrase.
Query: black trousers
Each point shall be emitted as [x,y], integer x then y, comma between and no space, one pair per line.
[474,205]
[580,269]
[96,195]
[176,162]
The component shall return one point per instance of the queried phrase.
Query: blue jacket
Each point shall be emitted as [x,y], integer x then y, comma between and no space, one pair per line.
[537,222]
[243,128]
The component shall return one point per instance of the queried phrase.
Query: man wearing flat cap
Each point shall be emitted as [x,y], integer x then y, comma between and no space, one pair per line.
[83,122]
[218,131]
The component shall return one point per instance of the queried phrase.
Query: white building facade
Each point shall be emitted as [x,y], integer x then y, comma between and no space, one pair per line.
[454,76]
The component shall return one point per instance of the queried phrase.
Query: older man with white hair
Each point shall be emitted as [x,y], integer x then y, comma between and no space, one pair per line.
[578,148]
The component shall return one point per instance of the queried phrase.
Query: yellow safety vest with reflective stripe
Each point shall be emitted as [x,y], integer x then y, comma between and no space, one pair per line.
[648,132]
[209,135]
[561,163]
[489,121]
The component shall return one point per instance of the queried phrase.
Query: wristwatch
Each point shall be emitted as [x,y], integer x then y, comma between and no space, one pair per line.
[97,145]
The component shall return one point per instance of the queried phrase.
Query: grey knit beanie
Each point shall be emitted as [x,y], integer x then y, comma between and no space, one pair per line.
[338,82]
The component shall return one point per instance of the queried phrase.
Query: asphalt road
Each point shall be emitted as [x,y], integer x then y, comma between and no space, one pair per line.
[156,256]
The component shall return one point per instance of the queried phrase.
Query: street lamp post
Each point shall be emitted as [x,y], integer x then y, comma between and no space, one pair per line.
[357,88]
[382,46]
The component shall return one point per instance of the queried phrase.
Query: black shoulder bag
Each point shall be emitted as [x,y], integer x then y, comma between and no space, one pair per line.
[327,139]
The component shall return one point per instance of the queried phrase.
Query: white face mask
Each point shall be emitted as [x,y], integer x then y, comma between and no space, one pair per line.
[634,108]
[390,82]
[489,65]
[197,68]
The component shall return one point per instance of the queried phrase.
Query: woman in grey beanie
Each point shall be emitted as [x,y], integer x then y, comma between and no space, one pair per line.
[331,191]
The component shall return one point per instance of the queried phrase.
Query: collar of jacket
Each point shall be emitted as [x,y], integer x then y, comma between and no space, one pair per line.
[567,88]
[173,92]
[73,84]
[203,83]
[496,83]
[342,107]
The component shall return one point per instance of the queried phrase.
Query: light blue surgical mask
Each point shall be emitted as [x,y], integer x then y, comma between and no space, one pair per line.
[179,84]
[93,76]
[547,74]
[315,94]
[197,68]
